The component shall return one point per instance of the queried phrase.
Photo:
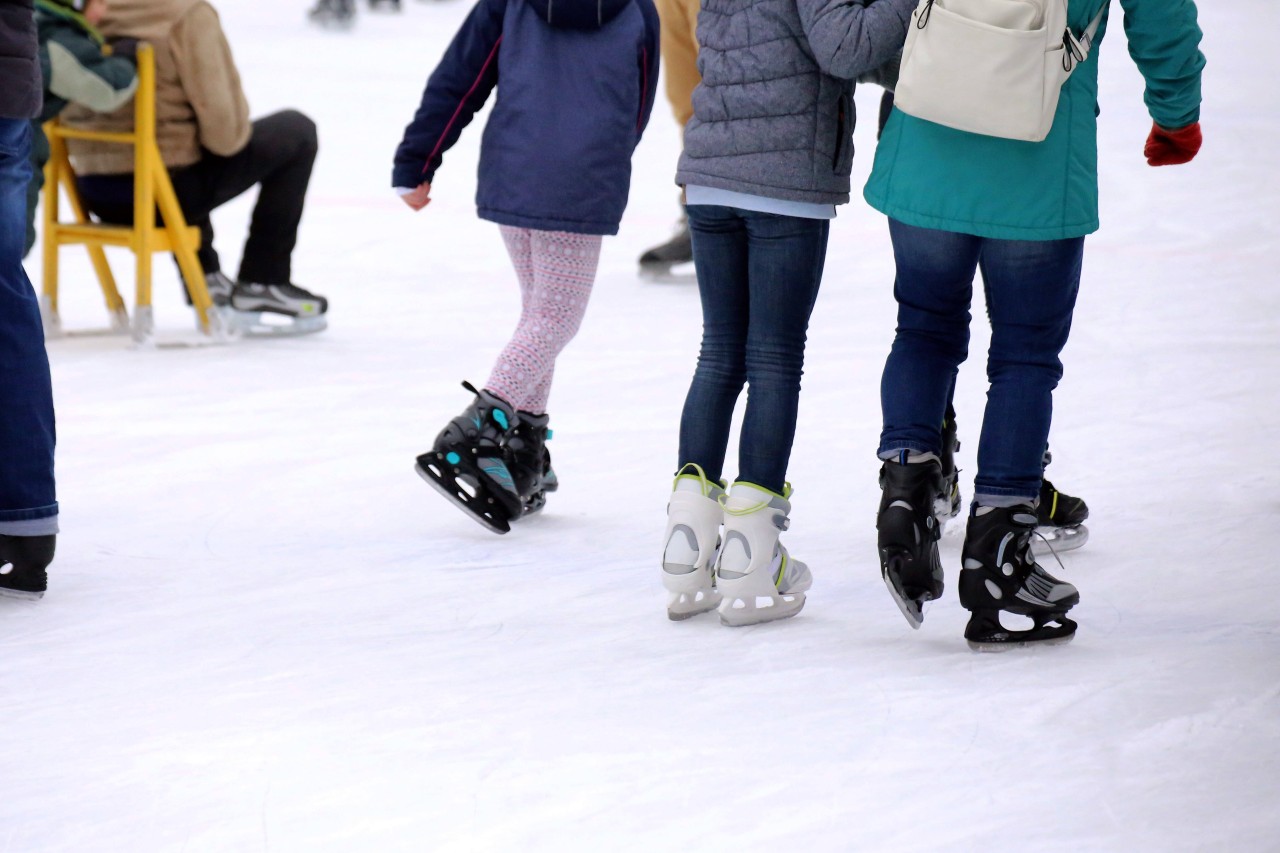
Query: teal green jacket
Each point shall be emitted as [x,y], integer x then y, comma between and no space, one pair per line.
[932,176]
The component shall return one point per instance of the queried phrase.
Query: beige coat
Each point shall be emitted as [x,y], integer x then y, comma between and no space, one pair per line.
[200,103]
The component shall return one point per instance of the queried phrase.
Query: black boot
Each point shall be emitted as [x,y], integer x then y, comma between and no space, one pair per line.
[908,535]
[469,462]
[1000,573]
[23,560]
[531,461]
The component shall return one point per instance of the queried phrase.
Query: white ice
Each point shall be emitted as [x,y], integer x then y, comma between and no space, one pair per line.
[263,632]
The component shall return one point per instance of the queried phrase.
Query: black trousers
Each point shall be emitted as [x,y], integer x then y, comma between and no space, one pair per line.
[278,159]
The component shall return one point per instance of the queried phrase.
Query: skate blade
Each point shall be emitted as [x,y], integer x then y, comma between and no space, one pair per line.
[912,610]
[1007,645]
[1056,540]
[686,605]
[21,594]
[496,524]
[1002,640]
[740,611]
[681,273]
[254,324]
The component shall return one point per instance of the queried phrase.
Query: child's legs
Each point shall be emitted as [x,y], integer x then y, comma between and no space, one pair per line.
[563,268]
[785,261]
[934,287]
[720,257]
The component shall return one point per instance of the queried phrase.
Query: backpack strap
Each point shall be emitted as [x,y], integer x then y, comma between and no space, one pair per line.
[1077,49]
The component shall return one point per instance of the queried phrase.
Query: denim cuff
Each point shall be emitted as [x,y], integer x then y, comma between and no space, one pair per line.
[30,527]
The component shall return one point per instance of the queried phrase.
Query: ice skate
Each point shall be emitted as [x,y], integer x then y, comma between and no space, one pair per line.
[908,532]
[691,543]
[468,464]
[756,577]
[339,14]
[949,506]
[530,461]
[297,311]
[23,560]
[658,263]
[1060,522]
[1000,574]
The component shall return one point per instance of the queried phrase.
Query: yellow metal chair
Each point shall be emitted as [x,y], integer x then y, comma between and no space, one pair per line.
[152,189]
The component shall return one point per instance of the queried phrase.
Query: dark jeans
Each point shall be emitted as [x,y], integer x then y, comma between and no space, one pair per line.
[758,276]
[279,157]
[28,506]
[1030,288]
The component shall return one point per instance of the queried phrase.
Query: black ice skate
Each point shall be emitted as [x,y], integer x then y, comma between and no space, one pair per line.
[468,464]
[949,507]
[530,461]
[999,573]
[908,535]
[1060,519]
[23,560]
[657,263]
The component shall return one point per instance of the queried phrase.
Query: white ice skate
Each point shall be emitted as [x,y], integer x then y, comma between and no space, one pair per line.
[691,542]
[758,579]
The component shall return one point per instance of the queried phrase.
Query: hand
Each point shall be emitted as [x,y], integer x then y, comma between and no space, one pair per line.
[420,197]
[1171,147]
[125,48]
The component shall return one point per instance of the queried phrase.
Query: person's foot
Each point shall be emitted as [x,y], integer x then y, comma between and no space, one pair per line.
[23,560]
[287,299]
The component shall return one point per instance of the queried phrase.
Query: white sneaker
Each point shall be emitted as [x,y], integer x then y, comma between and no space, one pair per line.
[757,578]
[691,542]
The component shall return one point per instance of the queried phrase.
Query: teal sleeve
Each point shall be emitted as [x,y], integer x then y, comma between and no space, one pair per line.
[1164,41]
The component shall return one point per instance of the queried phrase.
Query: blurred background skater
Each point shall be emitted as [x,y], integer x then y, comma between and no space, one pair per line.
[680,72]
[214,153]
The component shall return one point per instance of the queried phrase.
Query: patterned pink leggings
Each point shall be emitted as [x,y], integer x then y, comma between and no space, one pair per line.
[556,270]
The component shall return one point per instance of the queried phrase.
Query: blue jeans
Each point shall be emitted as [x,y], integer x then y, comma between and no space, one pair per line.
[1030,288]
[27,503]
[758,276]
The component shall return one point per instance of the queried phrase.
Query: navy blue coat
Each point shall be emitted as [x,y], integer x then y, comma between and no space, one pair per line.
[575,83]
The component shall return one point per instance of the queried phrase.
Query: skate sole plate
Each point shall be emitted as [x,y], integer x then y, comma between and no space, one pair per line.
[495,525]
[738,617]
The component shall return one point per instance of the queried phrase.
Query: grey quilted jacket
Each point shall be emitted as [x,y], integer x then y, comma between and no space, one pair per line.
[773,115]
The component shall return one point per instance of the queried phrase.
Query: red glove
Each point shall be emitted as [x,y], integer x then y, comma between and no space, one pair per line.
[1171,147]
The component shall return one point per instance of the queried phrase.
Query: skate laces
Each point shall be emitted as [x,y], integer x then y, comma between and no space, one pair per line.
[1048,545]
[701,476]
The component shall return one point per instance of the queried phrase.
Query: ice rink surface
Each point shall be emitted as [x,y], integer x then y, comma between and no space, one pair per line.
[263,632]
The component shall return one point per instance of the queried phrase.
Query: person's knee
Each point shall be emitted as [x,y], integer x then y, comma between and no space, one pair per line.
[292,126]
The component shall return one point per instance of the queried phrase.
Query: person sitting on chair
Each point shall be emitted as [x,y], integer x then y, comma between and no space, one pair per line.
[213,153]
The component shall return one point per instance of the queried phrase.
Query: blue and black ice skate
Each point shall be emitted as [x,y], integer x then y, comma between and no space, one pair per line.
[469,462]
[530,461]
